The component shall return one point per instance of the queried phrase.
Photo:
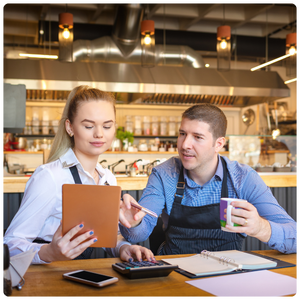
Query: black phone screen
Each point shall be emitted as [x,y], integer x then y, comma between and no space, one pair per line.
[90,276]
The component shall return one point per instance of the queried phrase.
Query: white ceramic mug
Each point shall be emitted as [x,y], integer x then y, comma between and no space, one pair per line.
[225,203]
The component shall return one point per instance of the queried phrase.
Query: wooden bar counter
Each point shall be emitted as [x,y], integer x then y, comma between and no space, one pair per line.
[46,280]
[16,184]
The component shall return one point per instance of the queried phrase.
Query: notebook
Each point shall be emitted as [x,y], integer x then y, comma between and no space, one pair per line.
[96,206]
[219,262]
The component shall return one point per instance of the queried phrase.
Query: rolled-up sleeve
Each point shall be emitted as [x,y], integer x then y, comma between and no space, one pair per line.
[153,198]
[283,227]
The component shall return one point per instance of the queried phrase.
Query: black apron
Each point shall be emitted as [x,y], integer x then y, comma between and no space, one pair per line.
[193,229]
[86,254]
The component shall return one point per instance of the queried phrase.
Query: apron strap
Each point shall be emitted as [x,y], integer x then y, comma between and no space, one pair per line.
[180,187]
[224,191]
[75,175]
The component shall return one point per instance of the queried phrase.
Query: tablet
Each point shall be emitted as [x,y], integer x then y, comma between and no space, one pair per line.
[96,206]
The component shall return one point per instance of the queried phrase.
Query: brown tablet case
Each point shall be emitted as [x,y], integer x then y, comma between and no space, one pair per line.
[96,206]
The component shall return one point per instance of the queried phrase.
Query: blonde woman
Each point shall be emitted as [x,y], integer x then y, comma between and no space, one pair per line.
[86,130]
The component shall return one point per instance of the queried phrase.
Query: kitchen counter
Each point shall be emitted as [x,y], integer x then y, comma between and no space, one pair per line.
[16,184]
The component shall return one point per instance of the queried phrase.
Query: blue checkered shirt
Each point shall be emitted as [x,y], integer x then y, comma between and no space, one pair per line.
[243,183]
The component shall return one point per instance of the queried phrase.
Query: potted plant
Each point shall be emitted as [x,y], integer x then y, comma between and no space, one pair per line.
[125,137]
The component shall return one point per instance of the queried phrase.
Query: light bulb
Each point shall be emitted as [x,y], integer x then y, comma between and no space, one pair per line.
[275,133]
[66,33]
[223,44]
[147,39]
[292,50]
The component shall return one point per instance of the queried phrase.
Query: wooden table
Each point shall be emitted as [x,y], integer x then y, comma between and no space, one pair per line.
[46,280]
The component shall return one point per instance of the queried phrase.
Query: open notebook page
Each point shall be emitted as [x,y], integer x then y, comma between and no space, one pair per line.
[200,265]
[247,260]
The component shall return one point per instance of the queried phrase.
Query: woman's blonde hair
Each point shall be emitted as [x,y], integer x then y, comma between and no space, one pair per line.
[83,93]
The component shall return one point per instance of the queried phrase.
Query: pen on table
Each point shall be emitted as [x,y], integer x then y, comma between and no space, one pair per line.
[144,209]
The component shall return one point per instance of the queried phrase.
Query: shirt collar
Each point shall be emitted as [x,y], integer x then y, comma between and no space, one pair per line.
[219,171]
[69,159]
[218,174]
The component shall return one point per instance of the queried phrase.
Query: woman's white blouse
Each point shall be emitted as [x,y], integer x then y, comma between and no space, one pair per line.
[40,212]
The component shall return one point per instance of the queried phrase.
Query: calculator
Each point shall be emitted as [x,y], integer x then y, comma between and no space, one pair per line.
[144,269]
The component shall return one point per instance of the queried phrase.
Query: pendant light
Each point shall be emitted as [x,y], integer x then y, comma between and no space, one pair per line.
[289,57]
[65,37]
[147,44]
[291,49]
[292,53]
[223,46]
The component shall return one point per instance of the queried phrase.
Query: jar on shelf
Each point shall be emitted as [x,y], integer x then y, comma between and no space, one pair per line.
[143,145]
[163,126]
[178,123]
[153,146]
[146,125]
[162,147]
[129,124]
[137,125]
[172,126]
[154,125]
[171,147]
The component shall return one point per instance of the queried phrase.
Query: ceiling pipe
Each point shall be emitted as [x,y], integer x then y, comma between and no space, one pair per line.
[104,49]
[127,27]
[124,44]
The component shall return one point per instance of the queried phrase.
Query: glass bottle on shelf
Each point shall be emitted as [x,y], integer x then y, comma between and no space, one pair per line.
[146,125]
[154,125]
[172,126]
[35,120]
[178,123]
[163,126]
[137,125]
[129,124]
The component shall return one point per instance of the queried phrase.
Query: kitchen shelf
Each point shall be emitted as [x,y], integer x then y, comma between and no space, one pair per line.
[155,136]
[44,103]
[288,122]
[149,152]
[36,135]
[140,152]
[22,152]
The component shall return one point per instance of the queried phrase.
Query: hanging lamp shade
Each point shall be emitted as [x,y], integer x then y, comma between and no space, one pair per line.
[223,47]
[65,36]
[147,44]
[291,48]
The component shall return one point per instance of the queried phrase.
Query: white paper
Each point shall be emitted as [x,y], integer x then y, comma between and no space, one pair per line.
[257,283]
[21,263]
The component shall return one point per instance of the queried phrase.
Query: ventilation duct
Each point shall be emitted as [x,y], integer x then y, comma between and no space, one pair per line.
[104,49]
[124,46]
[127,26]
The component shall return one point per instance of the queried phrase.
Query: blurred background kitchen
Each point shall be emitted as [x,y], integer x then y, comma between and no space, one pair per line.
[158,59]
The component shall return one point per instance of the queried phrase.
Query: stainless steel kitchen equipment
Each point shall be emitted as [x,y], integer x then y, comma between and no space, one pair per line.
[166,85]
[248,118]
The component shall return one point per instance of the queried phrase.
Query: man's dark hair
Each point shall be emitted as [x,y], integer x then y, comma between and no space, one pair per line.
[210,114]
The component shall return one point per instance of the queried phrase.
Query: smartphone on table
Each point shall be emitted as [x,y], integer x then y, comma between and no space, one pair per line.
[90,278]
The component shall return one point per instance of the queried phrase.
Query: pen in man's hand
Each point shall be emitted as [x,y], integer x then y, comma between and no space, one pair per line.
[144,209]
